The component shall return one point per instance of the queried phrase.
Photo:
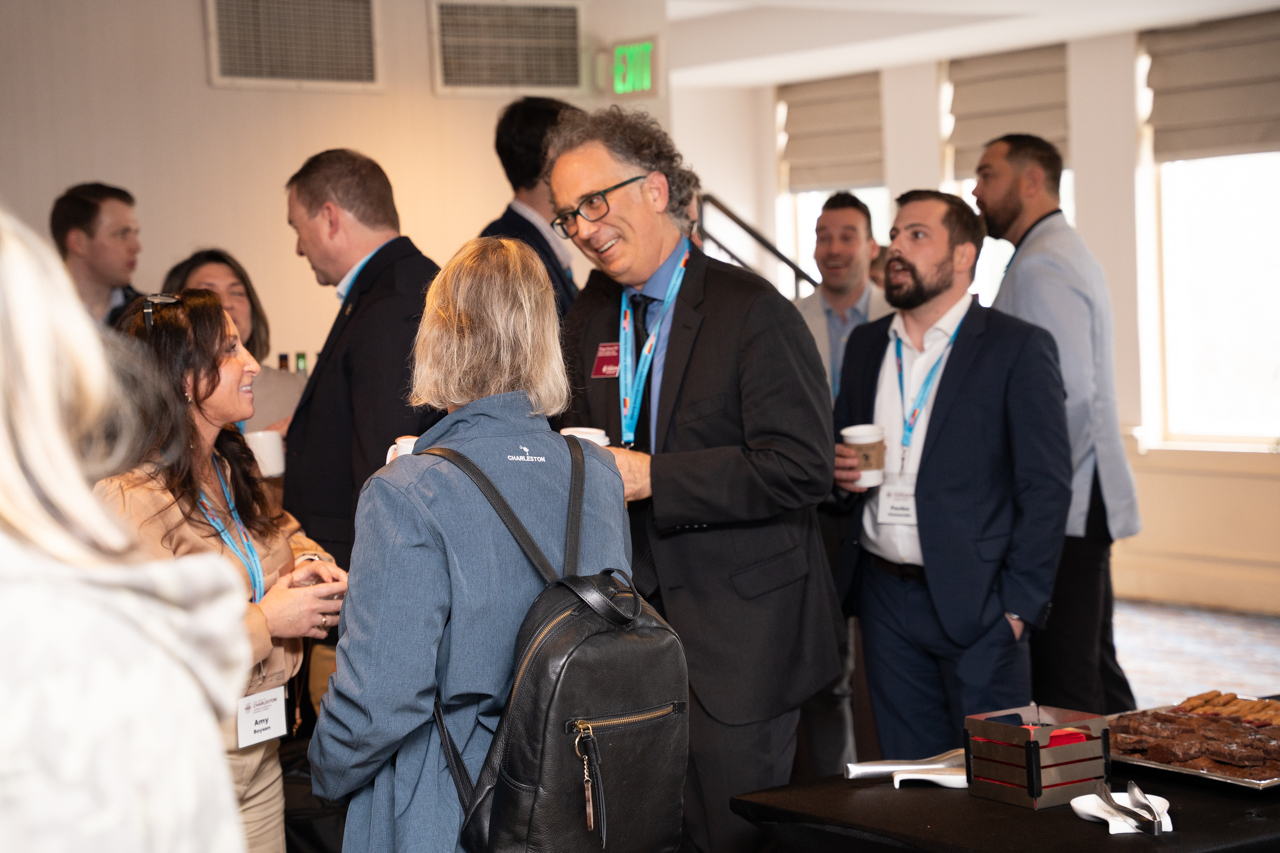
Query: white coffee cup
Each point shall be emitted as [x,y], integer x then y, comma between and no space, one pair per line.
[595,436]
[868,441]
[403,447]
[268,448]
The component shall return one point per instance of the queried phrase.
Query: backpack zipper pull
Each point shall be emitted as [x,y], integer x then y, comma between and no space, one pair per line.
[584,730]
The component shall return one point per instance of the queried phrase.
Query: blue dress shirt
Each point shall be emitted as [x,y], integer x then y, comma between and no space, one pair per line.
[656,289]
[838,331]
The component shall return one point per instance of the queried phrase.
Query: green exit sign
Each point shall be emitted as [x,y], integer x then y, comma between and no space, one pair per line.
[633,68]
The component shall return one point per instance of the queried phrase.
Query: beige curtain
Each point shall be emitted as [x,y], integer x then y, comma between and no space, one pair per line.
[1216,87]
[833,133]
[1020,92]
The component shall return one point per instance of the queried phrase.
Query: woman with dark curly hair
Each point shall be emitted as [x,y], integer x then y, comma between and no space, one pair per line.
[209,498]
[276,392]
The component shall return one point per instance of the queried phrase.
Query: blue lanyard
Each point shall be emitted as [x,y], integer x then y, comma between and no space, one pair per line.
[922,396]
[249,556]
[632,377]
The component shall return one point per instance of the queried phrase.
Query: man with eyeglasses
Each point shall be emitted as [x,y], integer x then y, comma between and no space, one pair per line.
[719,418]
[96,232]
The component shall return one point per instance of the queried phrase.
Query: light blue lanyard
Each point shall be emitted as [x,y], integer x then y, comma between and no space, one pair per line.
[922,396]
[248,557]
[631,376]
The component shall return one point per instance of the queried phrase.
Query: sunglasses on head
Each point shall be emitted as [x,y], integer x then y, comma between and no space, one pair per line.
[148,307]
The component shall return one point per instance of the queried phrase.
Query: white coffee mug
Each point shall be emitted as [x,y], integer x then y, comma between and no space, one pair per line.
[268,448]
[595,436]
[403,447]
[868,440]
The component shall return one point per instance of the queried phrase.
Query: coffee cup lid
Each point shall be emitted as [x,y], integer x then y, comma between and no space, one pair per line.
[863,432]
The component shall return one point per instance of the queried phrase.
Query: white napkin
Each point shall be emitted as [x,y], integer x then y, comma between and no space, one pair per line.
[1090,807]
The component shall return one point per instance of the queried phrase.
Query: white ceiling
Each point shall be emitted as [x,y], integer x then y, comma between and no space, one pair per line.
[765,42]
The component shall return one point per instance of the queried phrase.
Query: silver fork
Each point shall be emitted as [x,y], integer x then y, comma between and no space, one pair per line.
[1136,795]
[1143,823]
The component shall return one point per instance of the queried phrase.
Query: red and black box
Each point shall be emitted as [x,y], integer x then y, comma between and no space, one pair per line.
[1035,757]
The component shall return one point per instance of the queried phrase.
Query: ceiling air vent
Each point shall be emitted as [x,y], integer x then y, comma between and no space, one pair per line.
[297,43]
[508,46]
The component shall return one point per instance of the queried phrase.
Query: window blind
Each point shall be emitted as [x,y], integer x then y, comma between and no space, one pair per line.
[1216,87]
[1020,92]
[833,133]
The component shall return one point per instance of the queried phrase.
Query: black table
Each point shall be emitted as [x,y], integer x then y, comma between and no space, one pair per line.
[837,815]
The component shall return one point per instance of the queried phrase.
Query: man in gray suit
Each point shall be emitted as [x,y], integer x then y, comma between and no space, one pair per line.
[846,298]
[1055,282]
[844,252]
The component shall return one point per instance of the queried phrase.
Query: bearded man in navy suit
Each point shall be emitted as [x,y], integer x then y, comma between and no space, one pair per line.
[954,555]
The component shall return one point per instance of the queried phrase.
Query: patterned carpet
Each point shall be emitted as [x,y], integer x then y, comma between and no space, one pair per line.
[1171,652]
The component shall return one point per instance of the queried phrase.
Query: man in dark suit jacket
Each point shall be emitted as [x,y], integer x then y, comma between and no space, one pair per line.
[355,403]
[956,552]
[522,147]
[731,454]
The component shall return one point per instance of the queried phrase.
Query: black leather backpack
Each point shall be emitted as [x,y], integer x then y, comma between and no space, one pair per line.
[592,746]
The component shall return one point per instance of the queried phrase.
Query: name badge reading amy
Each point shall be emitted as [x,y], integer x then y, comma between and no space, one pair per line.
[606,364]
[260,716]
[897,501]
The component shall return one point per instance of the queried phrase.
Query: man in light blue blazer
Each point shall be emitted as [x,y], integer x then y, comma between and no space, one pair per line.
[1055,282]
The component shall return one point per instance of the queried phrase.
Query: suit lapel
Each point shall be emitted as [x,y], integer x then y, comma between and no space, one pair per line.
[871,376]
[963,355]
[685,323]
[382,258]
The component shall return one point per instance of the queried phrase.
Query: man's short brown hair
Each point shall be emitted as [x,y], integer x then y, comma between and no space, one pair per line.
[1027,150]
[77,209]
[350,180]
[962,224]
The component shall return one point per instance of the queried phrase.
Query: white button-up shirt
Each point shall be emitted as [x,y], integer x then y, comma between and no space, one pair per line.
[900,543]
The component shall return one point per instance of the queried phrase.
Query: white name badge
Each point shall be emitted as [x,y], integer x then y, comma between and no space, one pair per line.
[260,717]
[897,501]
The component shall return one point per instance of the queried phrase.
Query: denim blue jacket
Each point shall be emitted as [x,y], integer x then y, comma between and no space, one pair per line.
[438,589]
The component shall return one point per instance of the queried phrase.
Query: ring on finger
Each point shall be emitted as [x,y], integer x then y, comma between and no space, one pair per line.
[324,621]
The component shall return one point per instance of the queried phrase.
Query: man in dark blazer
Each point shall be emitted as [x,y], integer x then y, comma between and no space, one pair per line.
[354,406]
[731,453]
[955,554]
[522,147]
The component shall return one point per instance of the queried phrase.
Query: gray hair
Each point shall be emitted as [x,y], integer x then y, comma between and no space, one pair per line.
[632,137]
[489,326]
[66,418]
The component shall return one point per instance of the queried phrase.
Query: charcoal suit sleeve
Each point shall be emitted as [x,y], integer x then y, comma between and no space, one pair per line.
[1037,429]
[392,622]
[786,459]
[381,369]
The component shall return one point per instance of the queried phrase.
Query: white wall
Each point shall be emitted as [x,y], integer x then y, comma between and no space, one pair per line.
[119,92]
[726,135]
[1102,128]
[912,127]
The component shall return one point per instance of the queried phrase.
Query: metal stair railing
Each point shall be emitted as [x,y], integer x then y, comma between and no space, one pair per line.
[708,199]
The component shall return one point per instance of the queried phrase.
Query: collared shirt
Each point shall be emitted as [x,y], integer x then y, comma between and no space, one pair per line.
[553,239]
[839,328]
[344,286]
[656,289]
[900,543]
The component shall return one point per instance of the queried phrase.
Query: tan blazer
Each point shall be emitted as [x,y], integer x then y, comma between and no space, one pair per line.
[810,308]
[156,520]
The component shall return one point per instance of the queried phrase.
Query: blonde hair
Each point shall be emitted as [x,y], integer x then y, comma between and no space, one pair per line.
[490,327]
[64,417]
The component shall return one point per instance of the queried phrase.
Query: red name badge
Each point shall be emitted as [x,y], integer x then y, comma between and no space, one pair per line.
[606,366]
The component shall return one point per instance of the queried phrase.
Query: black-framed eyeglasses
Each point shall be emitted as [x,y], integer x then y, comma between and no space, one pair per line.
[593,208]
[149,304]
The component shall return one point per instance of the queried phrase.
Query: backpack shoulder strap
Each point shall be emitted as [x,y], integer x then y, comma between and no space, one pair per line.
[577,484]
[500,506]
[453,758]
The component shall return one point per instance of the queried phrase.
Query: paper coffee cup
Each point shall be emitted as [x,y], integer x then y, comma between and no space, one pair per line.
[596,436]
[868,441]
[268,448]
[403,447]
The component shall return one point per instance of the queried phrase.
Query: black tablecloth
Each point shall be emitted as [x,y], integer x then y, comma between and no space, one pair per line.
[835,814]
